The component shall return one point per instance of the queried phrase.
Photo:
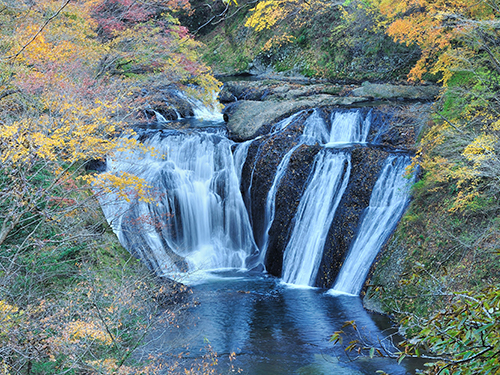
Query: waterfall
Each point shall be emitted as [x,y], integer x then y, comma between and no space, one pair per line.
[349,127]
[270,201]
[202,111]
[314,131]
[317,207]
[387,204]
[204,223]
[160,118]
[199,220]
[240,156]
[313,218]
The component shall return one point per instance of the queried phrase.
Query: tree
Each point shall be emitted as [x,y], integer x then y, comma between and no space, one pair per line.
[465,337]
[71,300]
[459,44]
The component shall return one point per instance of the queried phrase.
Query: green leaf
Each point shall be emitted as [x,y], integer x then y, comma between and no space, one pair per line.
[401,357]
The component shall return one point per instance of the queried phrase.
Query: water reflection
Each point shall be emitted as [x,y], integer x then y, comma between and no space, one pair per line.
[274,329]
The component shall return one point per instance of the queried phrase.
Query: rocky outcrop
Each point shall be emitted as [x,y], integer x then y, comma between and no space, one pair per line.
[398,92]
[393,129]
[246,118]
[251,106]
[273,90]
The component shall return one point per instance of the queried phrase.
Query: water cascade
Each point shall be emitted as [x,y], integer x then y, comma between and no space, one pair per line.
[314,131]
[317,207]
[240,155]
[388,201]
[314,216]
[349,127]
[198,217]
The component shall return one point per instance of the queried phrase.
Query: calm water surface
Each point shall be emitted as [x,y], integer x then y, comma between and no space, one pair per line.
[274,329]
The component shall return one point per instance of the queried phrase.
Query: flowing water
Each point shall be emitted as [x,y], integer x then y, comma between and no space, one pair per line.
[197,229]
[314,216]
[389,198]
[197,219]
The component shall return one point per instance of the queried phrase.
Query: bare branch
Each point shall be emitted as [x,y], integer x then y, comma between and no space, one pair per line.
[8,92]
[39,31]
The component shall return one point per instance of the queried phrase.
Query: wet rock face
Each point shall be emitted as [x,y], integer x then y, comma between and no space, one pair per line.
[259,170]
[288,197]
[366,165]
[392,130]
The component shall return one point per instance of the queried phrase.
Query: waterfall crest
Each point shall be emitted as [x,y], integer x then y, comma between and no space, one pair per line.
[349,127]
[388,201]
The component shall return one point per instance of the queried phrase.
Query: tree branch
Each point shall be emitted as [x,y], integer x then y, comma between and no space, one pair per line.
[449,123]
[8,92]
[39,31]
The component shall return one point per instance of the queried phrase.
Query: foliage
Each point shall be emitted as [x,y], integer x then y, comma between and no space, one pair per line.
[448,33]
[313,38]
[269,12]
[459,42]
[461,338]
[71,74]
[466,334]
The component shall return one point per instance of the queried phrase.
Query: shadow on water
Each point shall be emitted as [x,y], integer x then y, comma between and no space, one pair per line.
[273,328]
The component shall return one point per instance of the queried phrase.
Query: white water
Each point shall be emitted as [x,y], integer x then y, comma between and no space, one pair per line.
[349,127]
[203,219]
[203,111]
[270,202]
[160,118]
[387,203]
[282,125]
[314,131]
[240,156]
[314,216]
[198,220]
[317,207]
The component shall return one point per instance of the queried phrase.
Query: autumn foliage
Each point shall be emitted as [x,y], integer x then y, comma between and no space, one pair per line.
[451,230]
[71,77]
[459,44]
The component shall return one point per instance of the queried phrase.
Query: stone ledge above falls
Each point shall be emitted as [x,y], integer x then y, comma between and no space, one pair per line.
[245,118]
[271,102]
[398,92]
